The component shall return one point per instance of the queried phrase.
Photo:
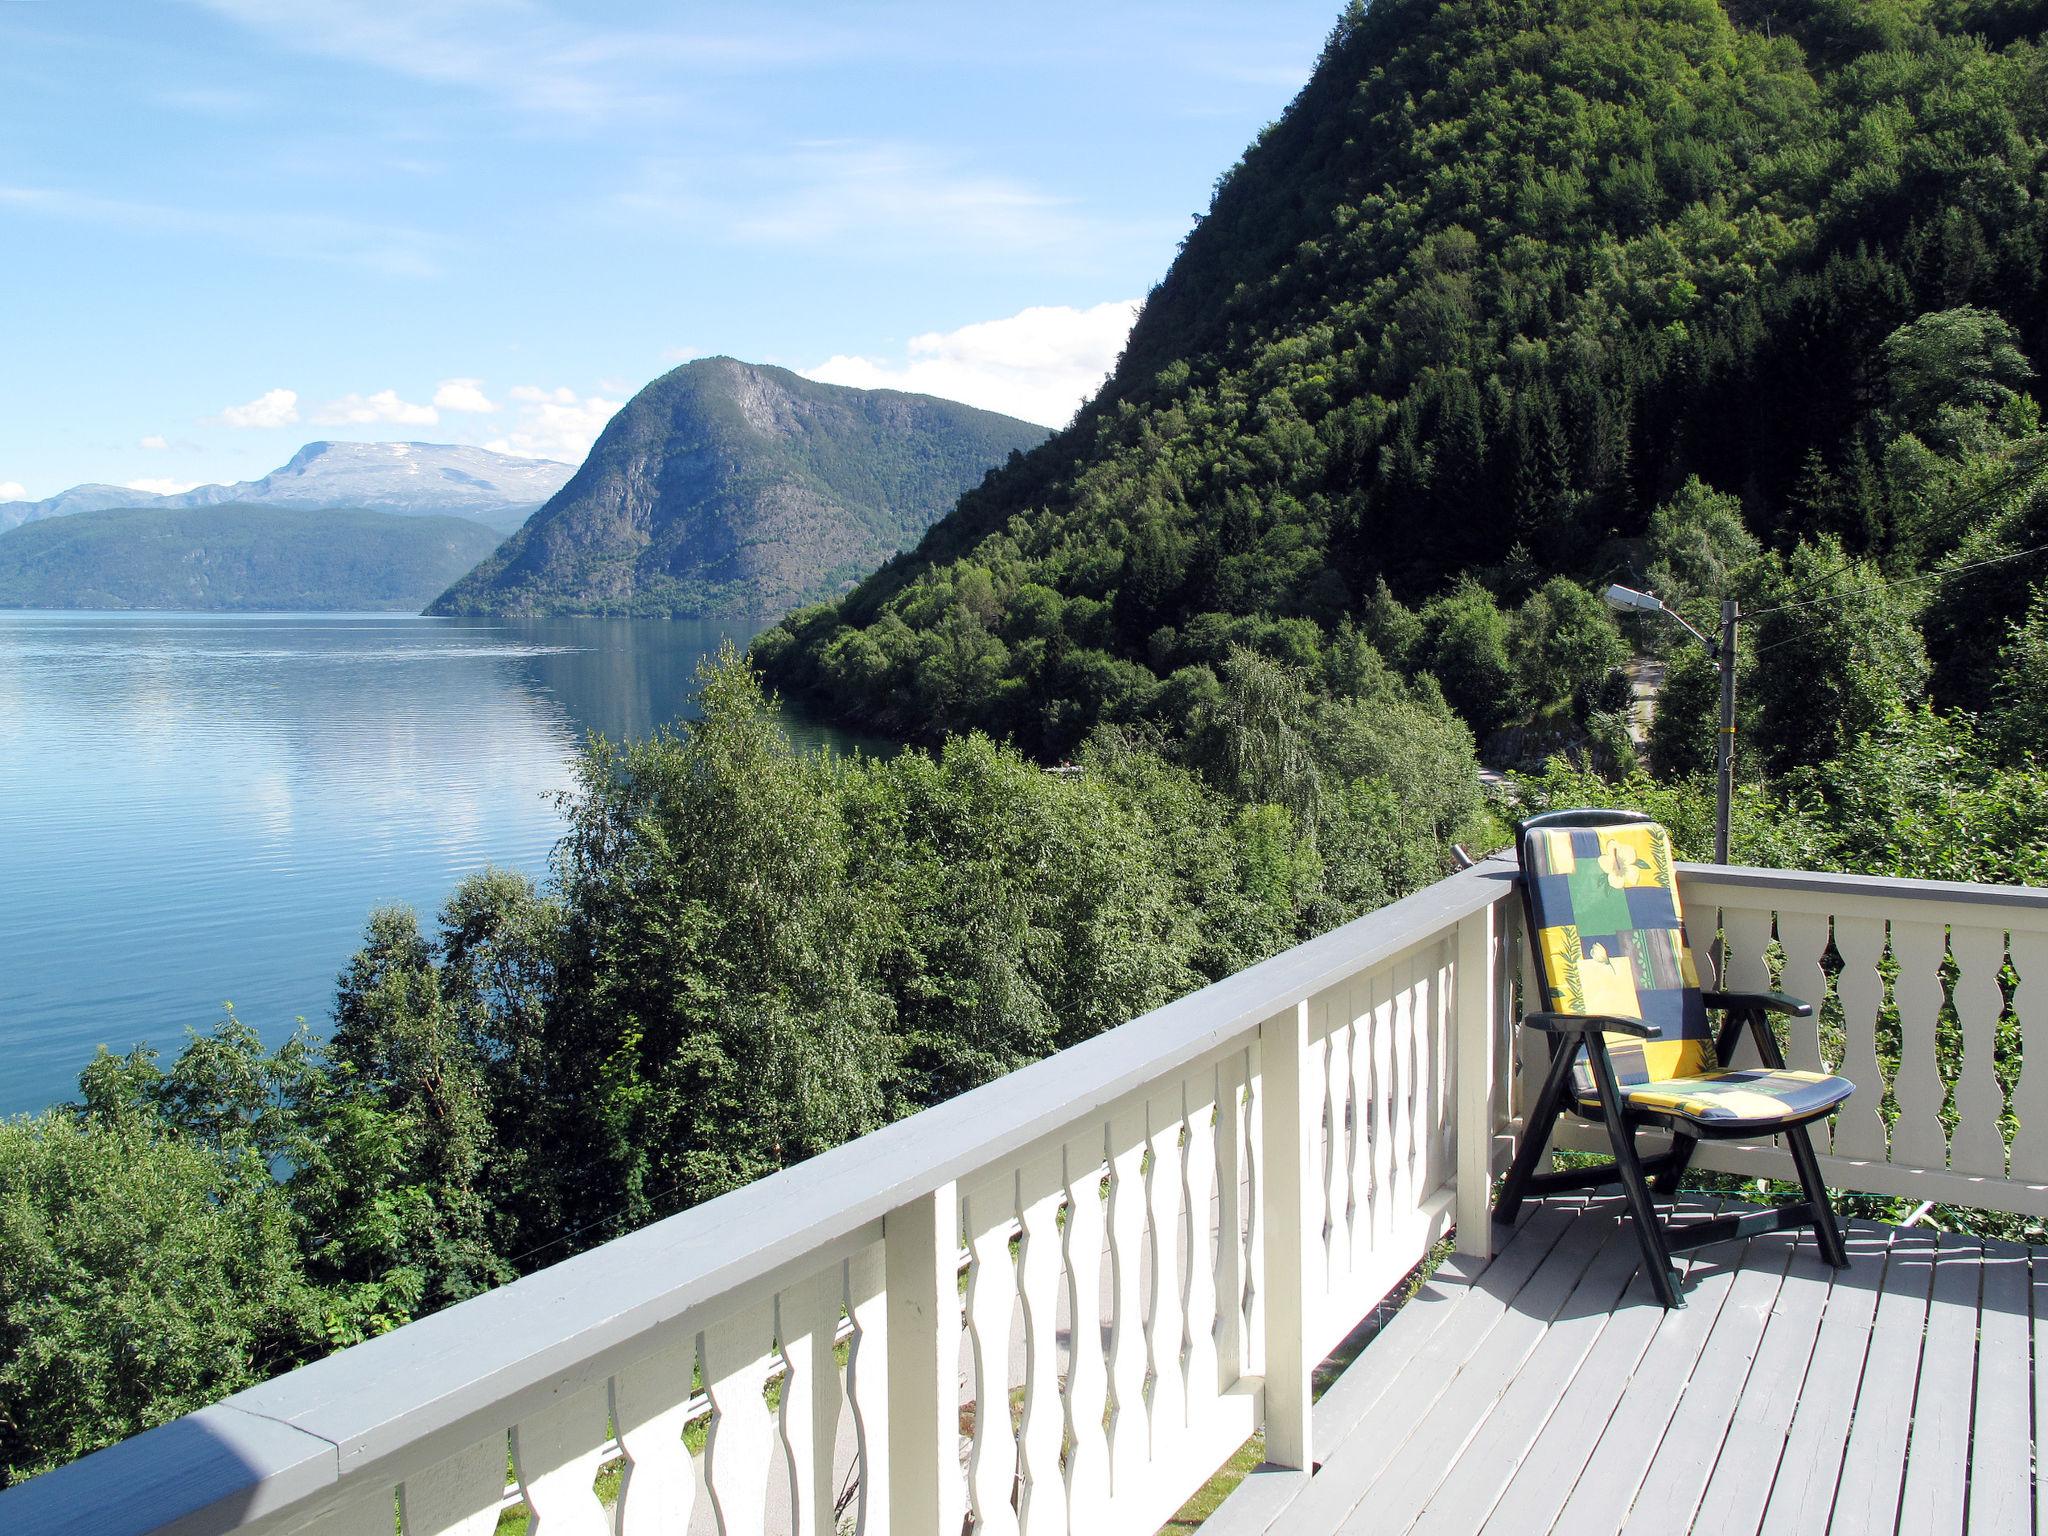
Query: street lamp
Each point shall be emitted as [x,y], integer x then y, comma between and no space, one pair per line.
[1723,653]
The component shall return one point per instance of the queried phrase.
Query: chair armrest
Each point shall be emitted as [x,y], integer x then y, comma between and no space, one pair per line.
[1766,1002]
[1587,1023]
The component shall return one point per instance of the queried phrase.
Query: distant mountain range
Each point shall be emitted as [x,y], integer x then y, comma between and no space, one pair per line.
[726,487]
[408,479]
[234,557]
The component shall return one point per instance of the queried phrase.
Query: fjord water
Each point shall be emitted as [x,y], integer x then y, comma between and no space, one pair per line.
[202,808]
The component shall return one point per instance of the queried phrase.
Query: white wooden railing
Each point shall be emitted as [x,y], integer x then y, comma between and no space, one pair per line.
[1161,1232]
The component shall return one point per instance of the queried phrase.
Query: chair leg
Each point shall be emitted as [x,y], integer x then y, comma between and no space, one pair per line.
[1635,1188]
[1535,1134]
[1827,1231]
[1682,1148]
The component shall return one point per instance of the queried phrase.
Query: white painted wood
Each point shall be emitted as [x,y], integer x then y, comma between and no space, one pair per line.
[1746,936]
[1165,1310]
[650,1401]
[922,1243]
[367,1513]
[1289,1210]
[1332,1012]
[1198,1287]
[1256,1195]
[1230,1215]
[1918,1138]
[988,1211]
[739,1352]
[2030,1096]
[556,1451]
[1383,1133]
[1475,994]
[806,1325]
[1859,1124]
[1087,1398]
[459,1496]
[1130,1435]
[1042,1500]
[1980,1101]
[867,1386]
[1804,936]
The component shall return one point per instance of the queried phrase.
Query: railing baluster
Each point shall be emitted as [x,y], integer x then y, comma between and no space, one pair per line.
[1859,1124]
[1165,1321]
[1230,1265]
[459,1496]
[1804,936]
[1042,1502]
[1384,1132]
[990,1207]
[1745,936]
[922,1244]
[557,1450]
[2030,1097]
[1336,1054]
[1087,1370]
[806,1323]
[1980,1101]
[650,1397]
[867,1384]
[1256,1195]
[1357,1147]
[739,1352]
[1200,1306]
[1918,1139]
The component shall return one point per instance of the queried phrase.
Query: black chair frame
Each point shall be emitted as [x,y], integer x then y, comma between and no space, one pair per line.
[1642,1178]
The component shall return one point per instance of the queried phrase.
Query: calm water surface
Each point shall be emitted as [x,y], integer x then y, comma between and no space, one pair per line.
[202,808]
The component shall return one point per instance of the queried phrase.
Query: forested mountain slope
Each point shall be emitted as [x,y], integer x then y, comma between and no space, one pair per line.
[724,487]
[1503,280]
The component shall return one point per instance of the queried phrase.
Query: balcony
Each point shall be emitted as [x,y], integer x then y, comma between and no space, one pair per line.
[1058,1303]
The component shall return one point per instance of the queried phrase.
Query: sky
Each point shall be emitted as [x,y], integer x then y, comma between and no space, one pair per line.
[231,227]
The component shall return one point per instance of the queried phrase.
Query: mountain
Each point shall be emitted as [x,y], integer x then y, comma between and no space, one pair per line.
[411,479]
[726,487]
[1503,286]
[236,557]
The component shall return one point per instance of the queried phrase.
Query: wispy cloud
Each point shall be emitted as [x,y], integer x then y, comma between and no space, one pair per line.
[852,193]
[554,423]
[155,441]
[391,249]
[525,54]
[272,408]
[464,395]
[1039,364]
[383,408]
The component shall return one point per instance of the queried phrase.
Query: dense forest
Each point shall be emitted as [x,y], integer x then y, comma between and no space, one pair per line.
[1518,298]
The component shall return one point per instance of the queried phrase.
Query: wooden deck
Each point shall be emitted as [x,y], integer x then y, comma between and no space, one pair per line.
[1547,1391]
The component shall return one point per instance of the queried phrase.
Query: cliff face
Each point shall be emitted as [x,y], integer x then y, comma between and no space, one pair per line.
[725,487]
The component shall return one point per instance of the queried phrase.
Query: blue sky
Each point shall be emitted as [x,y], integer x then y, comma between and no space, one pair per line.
[234,226]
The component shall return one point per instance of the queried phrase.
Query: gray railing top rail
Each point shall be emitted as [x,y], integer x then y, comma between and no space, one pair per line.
[436,1385]
[1865,888]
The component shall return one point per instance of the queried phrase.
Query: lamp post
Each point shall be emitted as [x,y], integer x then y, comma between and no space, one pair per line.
[1723,653]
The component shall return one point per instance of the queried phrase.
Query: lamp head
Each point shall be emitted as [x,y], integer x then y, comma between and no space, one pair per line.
[1628,597]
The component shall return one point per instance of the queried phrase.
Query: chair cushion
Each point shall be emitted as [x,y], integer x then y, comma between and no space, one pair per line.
[1736,1097]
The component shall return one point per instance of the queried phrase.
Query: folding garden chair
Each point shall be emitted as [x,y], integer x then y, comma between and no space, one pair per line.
[1629,1043]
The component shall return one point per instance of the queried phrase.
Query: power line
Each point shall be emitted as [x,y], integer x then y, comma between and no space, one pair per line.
[1910,581]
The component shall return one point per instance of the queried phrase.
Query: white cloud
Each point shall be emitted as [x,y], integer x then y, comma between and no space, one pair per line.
[464,395]
[272,408]
[156,440]
[13,490]
[159,486]
[384,406]
[1039,364]
[554,423]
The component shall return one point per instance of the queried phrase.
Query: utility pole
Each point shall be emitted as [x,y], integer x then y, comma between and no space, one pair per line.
[1724,742]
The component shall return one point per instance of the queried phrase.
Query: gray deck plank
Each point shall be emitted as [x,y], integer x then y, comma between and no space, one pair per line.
[1358,1460]
[1620,1458]
[1549,1468]
[1468,1485]
[1731,1503]
[1684,1458]
[1398,1496]
[1810,1467]
[1867,1498]
[2001,1453]
[1938,1456]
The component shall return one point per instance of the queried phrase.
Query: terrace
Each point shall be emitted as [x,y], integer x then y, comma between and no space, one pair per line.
[1143,1247]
